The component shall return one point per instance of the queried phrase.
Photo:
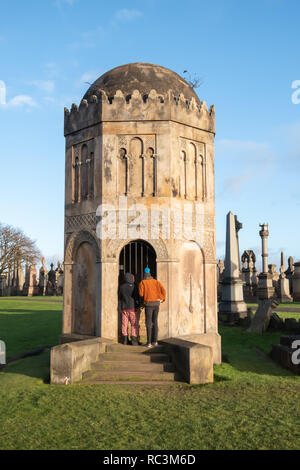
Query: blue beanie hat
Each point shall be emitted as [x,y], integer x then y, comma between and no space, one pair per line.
[147,270]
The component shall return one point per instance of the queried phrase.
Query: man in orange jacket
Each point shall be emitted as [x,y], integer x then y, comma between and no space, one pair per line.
[153,293]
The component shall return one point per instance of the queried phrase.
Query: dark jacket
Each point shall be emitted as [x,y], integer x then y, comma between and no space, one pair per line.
[128,293]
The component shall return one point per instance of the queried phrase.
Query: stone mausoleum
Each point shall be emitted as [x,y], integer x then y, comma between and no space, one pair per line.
[139,191]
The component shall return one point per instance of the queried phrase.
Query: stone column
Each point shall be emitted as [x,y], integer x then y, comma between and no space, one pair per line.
[232,306]
[265,288]
[289,272]
[296,282]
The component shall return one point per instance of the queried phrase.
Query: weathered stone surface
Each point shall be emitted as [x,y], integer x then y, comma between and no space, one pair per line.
[292,325]
[276,323]
[150,149]
[207,339]
[261,319]
[140,138]
[283,353]
[142,77]
[193,361]
[68,361]
[232,306]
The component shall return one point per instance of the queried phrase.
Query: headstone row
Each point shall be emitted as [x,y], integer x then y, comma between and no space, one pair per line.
[31,283]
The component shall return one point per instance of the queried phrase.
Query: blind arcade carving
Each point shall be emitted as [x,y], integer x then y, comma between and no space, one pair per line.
[83,171]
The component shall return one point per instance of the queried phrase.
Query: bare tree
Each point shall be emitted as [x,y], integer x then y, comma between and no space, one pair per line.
[195,81]
[16,248]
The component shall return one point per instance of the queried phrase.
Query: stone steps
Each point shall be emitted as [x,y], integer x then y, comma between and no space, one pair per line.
[133,366]
[146,358]
[121,348]
[99,375]
[122,364]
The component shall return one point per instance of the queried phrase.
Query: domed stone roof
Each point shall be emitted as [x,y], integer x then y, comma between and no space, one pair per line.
[142,77]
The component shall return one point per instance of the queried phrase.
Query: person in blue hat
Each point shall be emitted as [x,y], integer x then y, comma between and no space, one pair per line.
[153,293]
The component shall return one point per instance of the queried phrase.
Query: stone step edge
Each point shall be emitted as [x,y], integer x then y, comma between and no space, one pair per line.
[131,382]
[129,373]
[132,363]
[135,356]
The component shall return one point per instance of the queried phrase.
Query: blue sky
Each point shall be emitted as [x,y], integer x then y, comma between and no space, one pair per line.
[247,54]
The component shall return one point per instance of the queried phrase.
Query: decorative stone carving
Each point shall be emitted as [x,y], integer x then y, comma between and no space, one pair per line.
[75,241]
[114,247]
[75,222]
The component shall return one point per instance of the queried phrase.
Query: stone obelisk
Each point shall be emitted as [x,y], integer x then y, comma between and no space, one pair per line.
[232,306]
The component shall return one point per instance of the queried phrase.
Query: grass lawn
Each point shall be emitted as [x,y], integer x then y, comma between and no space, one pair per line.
[253,404]
[26,324]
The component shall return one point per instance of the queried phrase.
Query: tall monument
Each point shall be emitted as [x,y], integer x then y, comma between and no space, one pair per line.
[140,139]
[232,306]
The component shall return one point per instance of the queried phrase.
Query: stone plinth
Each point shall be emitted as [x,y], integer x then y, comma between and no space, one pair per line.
[284,289]
[265,288]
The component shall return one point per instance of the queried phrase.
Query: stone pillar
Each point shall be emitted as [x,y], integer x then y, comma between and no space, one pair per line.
[67,299]
[289,272]
[296,282]
[283,283]
[265,288]
[220,274]
[232,306]
[43,278]
[33,284]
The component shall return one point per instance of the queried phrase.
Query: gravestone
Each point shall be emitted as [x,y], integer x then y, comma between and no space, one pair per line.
[2,352]
[43,278]
[296,282]
[283,284]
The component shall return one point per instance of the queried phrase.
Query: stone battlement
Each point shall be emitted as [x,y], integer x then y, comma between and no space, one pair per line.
[138,107]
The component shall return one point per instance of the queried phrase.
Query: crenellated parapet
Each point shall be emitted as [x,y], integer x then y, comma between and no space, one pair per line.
[137,107]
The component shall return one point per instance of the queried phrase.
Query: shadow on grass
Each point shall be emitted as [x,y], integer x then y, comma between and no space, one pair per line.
[37,367]
[238,348]
[24,329]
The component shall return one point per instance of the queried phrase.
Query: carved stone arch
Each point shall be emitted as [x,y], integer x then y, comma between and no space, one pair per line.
[136,167]
[84,171]
[123,171]
[183,173]
[201,248]
[192,170]
[76,240]
[115,247]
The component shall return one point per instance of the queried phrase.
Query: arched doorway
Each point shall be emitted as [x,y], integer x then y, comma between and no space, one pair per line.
[84,298]
[134,258]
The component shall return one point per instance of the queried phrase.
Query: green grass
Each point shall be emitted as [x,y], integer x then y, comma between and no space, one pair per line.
[289,305]
[26,325]
[253,404]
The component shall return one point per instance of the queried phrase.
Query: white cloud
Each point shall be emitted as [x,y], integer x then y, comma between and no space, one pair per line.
[22,100]
[16,101]
[2,93]
[127,15]
[44,85]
